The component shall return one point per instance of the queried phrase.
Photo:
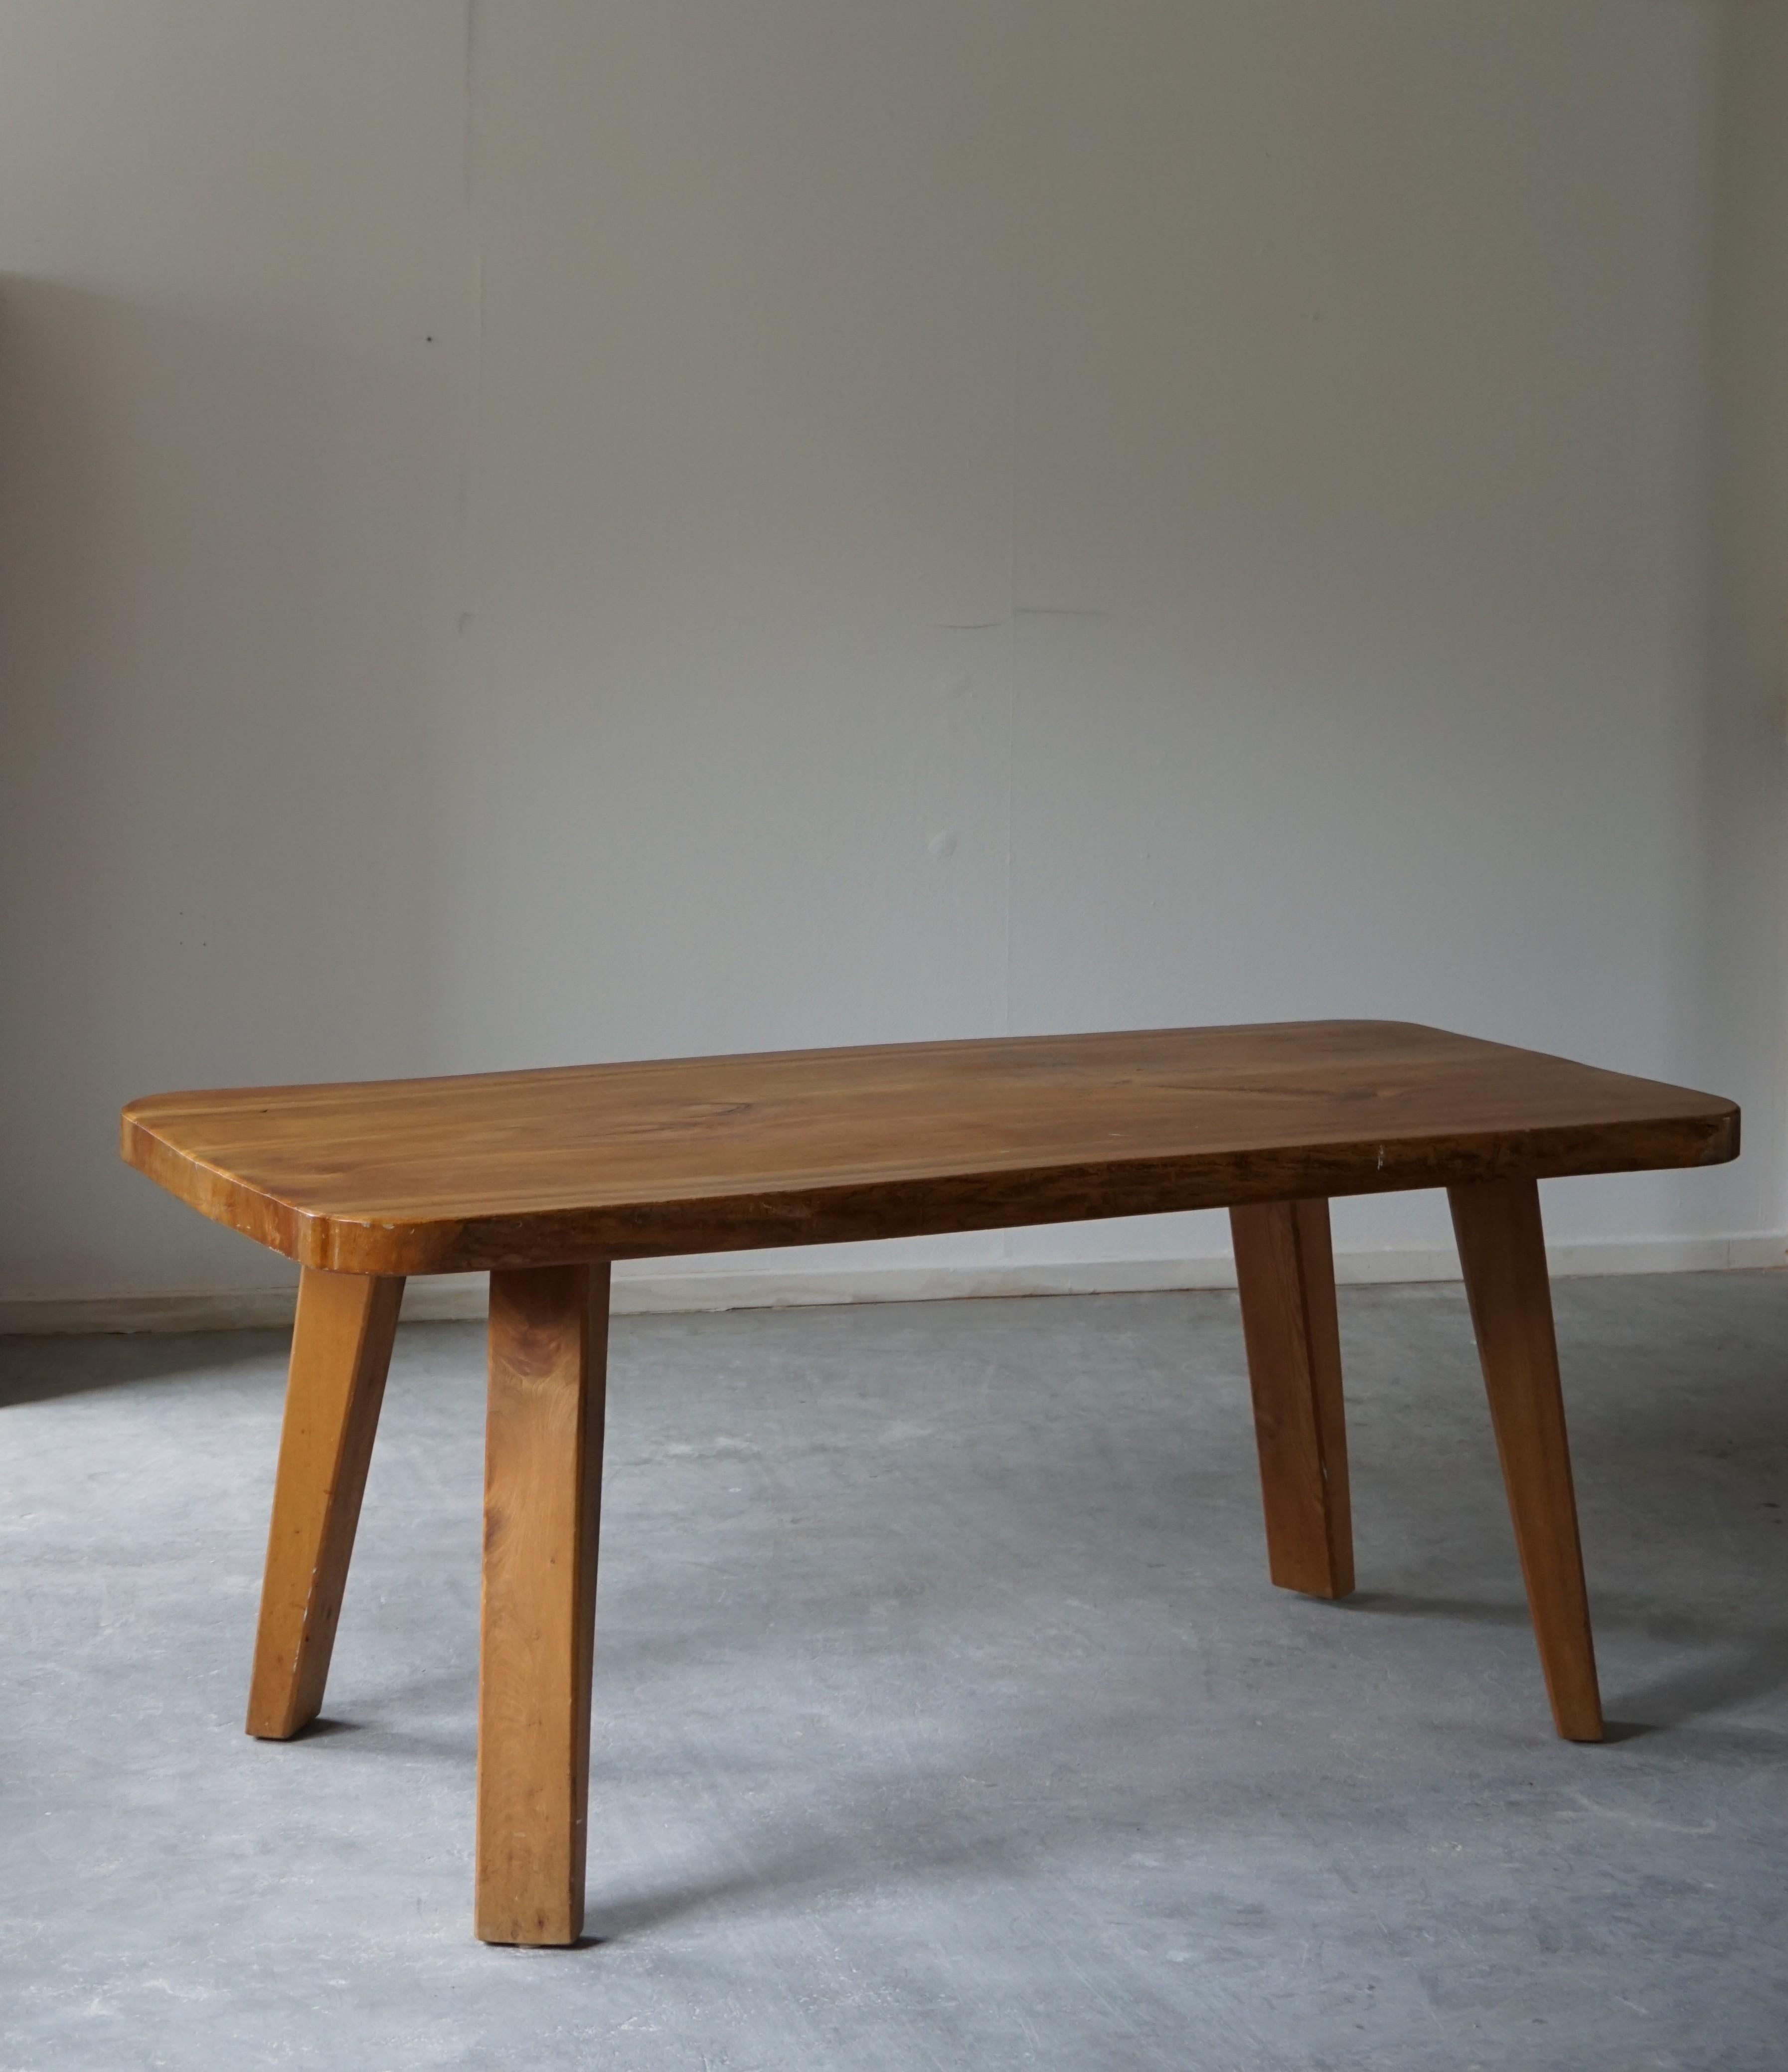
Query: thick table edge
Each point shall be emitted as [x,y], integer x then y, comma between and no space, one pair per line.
[223,1197]
[934,1205]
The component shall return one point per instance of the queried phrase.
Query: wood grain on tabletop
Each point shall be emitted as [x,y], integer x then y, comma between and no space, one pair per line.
[633,1161]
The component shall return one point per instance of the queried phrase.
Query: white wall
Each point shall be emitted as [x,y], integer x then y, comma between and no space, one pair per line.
[566,533]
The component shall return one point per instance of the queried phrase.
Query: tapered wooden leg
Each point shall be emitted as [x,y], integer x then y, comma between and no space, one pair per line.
[543,1485]
[1286,1269]
[341,1346]
[1503,1252]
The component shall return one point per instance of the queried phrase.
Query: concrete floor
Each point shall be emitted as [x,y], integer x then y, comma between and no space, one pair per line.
[944,1715]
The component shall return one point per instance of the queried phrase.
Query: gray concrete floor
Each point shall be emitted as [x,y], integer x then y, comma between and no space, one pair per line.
[944,1715]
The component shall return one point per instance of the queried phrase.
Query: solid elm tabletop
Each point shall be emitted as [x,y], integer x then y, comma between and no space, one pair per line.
[686,1155]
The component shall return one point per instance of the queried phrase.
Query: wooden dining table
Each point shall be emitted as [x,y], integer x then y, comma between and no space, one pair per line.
[543,1179]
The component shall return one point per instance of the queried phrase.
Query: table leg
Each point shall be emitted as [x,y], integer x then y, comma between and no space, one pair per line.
[543,1479]
[1503,1251]
[341,1346]
[1286,1270]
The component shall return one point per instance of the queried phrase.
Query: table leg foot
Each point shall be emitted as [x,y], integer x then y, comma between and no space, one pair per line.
[543,1477]
[341,1348]
[1286,1267]
[1502,1249]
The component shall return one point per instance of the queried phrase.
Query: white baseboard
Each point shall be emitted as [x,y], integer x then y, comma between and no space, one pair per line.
[640,1289]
